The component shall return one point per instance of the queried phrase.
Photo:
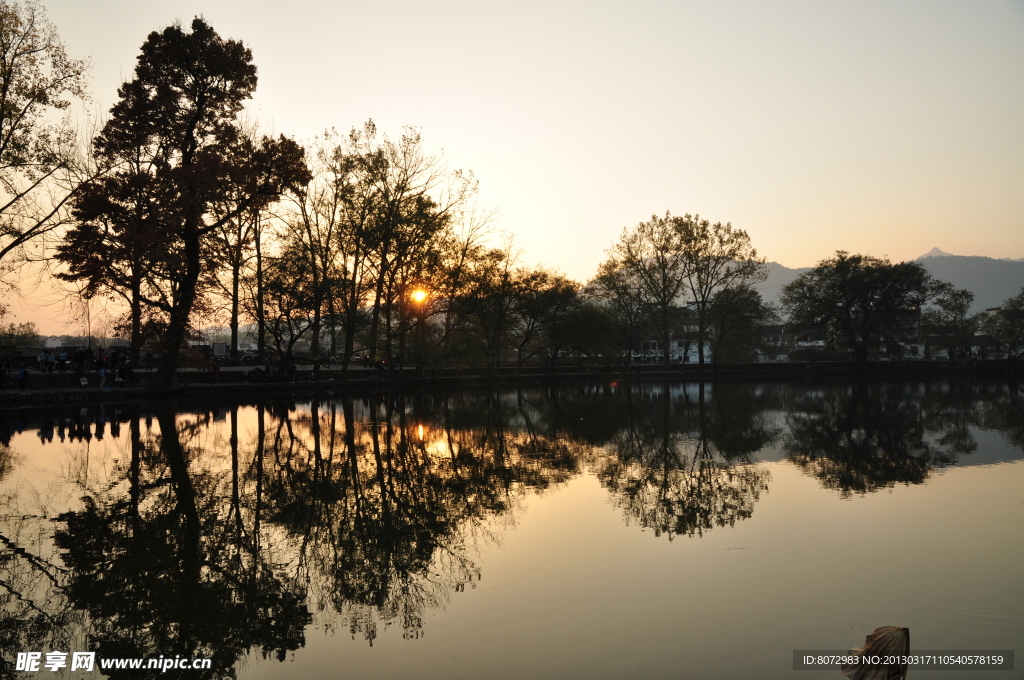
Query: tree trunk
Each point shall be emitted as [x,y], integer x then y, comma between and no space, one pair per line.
[375,318]
[185,493]
[666,334]
[701,333]
[261,315]
[136,318]
[180,312]
[134,469]
[235,274]
[314,341]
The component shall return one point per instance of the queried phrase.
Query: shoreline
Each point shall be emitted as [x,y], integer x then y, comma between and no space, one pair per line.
[227,384]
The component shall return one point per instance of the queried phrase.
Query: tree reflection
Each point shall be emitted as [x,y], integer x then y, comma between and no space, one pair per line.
[672,471]
[864,437]
[1007,416]
[386,507]
[370,513]
[218,531]
[162,570]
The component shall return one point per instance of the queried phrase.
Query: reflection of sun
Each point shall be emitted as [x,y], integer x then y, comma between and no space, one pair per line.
[418,295]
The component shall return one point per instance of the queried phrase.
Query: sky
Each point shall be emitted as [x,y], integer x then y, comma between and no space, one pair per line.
[885,128]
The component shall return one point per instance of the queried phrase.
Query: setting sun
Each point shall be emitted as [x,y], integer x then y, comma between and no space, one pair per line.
[418,295]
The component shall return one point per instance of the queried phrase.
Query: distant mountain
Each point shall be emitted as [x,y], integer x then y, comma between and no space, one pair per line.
[935,252]
[778,276]
[991,280]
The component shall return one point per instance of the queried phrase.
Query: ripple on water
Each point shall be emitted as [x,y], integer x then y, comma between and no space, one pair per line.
[951,580]
[741,553]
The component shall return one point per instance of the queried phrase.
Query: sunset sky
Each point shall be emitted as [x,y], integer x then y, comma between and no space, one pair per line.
[879,127]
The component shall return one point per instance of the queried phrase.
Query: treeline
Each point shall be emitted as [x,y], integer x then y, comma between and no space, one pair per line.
[868,307]
[357,244]
[364,245]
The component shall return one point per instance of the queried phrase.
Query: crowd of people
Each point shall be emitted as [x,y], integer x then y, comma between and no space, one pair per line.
[112,367]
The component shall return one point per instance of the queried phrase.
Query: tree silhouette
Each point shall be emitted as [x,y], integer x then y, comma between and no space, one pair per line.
[860,302]
[174,135]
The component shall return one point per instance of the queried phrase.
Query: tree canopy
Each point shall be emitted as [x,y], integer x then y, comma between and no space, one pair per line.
[673,263]
[950,321]
[173,138]
[860,303]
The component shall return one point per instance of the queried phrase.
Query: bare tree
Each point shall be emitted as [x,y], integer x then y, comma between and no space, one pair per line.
[617,287]
[655,254]
[37,78]
[718,257]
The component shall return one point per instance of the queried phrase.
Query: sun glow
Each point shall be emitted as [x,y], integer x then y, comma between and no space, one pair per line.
[418,295]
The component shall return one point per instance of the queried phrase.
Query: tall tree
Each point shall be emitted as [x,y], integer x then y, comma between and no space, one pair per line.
[333,214]
[542,300]
[655,255]
[375,222]
[289,297]
[861,302]
[489,301]
[236,241]
[416,203]
[617,287]
[37,78]
[441,326]
[342,204]
[118,249]
[178,115]
[719,258]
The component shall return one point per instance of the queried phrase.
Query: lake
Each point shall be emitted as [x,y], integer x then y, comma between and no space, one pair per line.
[644,530]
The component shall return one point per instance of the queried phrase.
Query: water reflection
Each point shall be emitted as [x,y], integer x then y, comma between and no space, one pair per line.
[166,565]
[863,437]
[215,532]
[674,468]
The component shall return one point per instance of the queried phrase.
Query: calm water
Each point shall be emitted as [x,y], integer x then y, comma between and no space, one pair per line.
[646,531]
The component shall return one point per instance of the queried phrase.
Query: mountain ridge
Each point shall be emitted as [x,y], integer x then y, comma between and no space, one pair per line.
[992,281]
